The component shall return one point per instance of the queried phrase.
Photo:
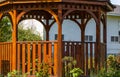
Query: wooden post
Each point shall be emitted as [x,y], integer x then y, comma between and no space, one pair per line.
[82,44]
[59,68]
[14,32]
[98,41]
[105,37]
[47,29]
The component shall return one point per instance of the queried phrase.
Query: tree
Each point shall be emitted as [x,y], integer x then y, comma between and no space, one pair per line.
[5,29]
[27,34]
[23,34]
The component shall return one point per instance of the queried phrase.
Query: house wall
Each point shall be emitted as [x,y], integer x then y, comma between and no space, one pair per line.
[113,28]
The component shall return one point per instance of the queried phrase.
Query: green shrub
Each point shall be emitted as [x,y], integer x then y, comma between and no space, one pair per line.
[113,68]
[69,67]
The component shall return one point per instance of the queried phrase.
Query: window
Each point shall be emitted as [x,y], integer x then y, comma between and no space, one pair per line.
[114,38]
[119,33]
[88,38]
[56,35]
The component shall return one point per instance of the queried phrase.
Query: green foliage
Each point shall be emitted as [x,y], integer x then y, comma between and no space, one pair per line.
[76,72]
[113,68]
[43,70]
[23,34]
[69,67]
[5,30]
[16,74]
[27,34]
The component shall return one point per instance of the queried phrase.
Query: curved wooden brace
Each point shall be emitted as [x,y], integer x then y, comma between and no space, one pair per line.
[51,24]
[86,22]
[53,14]
[11,15]
[45,9]
[20,15]
[89,12]
[102,19]
[79,25]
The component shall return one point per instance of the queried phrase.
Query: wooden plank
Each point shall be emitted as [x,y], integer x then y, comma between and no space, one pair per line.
[50,57]
[11,56]
[95,56]
[86,59]
[34,58]
[55,59]
[8,51]
[91,55]
[18,56]
[28,57]
[45,53]
[67,49]
[0,56]
[39,55]
[72,50]
[3,53]
[23,58]
[63,49]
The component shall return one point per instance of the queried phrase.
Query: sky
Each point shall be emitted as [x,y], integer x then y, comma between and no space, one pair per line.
[115,2]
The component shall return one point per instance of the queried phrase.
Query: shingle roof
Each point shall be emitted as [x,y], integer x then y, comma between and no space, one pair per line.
[116,11]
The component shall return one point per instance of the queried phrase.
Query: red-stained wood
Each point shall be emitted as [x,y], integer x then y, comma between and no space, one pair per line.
[50,57]
[0,56]
[91,55]
[18,56]
[55,59]
[34,58]
[86,60]
[39,55]
[13,15]
[28,57]
[23,58]
[45,53]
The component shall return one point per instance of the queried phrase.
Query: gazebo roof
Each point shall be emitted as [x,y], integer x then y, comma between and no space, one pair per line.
[106,3]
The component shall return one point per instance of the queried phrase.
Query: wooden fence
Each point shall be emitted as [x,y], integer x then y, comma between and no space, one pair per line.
[31,54]
[5,57]
[85,55]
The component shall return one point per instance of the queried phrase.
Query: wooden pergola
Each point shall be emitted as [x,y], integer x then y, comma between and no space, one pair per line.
[14,55]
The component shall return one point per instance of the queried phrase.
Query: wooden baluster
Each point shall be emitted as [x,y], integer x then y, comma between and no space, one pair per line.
[11,56]
[86,59]
[18,56]
[34,58]
[55,59]
[67,49]
[91,56]
[0,56]
[45,53]
[72,50]
[28,58]
[23,58]
[39,55]
[95,56]
[50,56]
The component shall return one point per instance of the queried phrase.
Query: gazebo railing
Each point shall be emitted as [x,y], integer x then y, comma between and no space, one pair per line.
[86,54]
[30,54]
[5,57]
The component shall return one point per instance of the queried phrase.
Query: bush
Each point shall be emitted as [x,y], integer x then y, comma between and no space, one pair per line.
[113,68]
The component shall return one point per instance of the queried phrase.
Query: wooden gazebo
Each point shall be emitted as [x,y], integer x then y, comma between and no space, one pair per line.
[16,55]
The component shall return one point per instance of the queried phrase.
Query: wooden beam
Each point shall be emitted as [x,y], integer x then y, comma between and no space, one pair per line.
[14,39]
